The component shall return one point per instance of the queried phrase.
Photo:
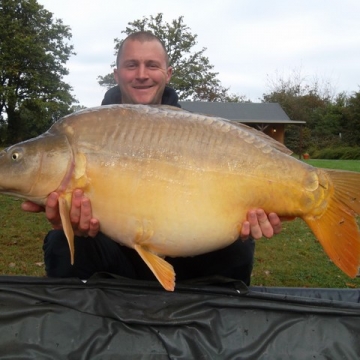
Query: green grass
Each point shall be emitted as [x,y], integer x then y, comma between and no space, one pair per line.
[352,165]
[293,258]
[21,238]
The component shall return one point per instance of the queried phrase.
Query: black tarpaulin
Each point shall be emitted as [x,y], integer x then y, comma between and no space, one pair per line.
[114,318]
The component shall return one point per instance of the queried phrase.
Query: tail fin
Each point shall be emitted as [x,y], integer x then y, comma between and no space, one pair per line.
[336,228]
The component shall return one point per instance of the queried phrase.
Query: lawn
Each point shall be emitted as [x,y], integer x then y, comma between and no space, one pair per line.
[21,237]
[352,165]
[293,258]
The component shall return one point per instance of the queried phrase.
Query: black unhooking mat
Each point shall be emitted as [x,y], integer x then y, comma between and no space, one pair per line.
[114,318]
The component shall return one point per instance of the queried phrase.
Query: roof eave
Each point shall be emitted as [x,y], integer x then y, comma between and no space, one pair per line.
[270,121]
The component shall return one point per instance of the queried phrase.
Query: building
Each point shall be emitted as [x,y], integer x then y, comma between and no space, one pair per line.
[269,118]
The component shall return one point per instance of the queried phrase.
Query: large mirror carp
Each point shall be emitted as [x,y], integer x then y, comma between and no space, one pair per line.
[167,182]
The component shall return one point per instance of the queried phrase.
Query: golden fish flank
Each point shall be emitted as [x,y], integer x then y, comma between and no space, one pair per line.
[171,183]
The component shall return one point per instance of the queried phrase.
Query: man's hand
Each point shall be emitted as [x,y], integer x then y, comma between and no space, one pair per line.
[80,213]
[258,224]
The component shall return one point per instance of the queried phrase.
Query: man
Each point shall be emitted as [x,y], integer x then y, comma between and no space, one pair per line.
[142,74]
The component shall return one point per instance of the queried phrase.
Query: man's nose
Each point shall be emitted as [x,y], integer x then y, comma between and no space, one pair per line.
[142,72]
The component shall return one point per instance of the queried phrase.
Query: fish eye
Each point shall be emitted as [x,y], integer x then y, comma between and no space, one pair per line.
[16,155]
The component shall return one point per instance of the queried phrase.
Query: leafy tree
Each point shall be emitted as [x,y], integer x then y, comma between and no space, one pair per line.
[325,125]
[193,75]
[308,102]
[33,52]
[350,122]
[298,97]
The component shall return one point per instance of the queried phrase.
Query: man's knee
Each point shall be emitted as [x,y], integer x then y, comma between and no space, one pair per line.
[55,242]
[57,254]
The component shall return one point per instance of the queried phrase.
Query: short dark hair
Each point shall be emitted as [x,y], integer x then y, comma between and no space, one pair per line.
[142,36]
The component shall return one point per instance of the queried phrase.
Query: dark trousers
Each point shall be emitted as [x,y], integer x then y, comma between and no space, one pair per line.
[101,254]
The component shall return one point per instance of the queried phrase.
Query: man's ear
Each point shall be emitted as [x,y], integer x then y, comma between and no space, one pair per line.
[168,74]
[116,76]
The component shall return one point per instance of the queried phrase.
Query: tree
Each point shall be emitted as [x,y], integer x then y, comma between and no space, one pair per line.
[305,101]
[33,52]
[350,122]
[193,76]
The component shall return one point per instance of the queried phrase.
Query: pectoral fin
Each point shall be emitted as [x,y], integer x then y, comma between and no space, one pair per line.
[66,223]
[162,270]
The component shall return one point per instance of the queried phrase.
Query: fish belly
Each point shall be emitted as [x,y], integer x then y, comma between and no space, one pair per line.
[171,211]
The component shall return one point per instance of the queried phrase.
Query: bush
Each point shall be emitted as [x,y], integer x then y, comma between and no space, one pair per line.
[338,153]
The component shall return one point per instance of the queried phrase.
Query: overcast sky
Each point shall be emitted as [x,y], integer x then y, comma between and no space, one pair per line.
[246,40]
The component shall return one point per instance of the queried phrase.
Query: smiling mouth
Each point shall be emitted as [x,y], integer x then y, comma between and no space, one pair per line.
[142,87]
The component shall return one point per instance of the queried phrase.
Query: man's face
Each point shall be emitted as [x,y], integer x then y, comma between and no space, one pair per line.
[142,72]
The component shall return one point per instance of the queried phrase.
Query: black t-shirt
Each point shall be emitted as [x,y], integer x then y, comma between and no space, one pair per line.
[113,96]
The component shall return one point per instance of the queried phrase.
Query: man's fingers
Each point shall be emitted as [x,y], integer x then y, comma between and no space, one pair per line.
[245,230]
[84,223]
[255,229]
[32,207]
[52,210]
[87,226]
[264,223]
[52,200]
[75,210]
[275,222]
[94,227]
[80,213]
[260,224]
